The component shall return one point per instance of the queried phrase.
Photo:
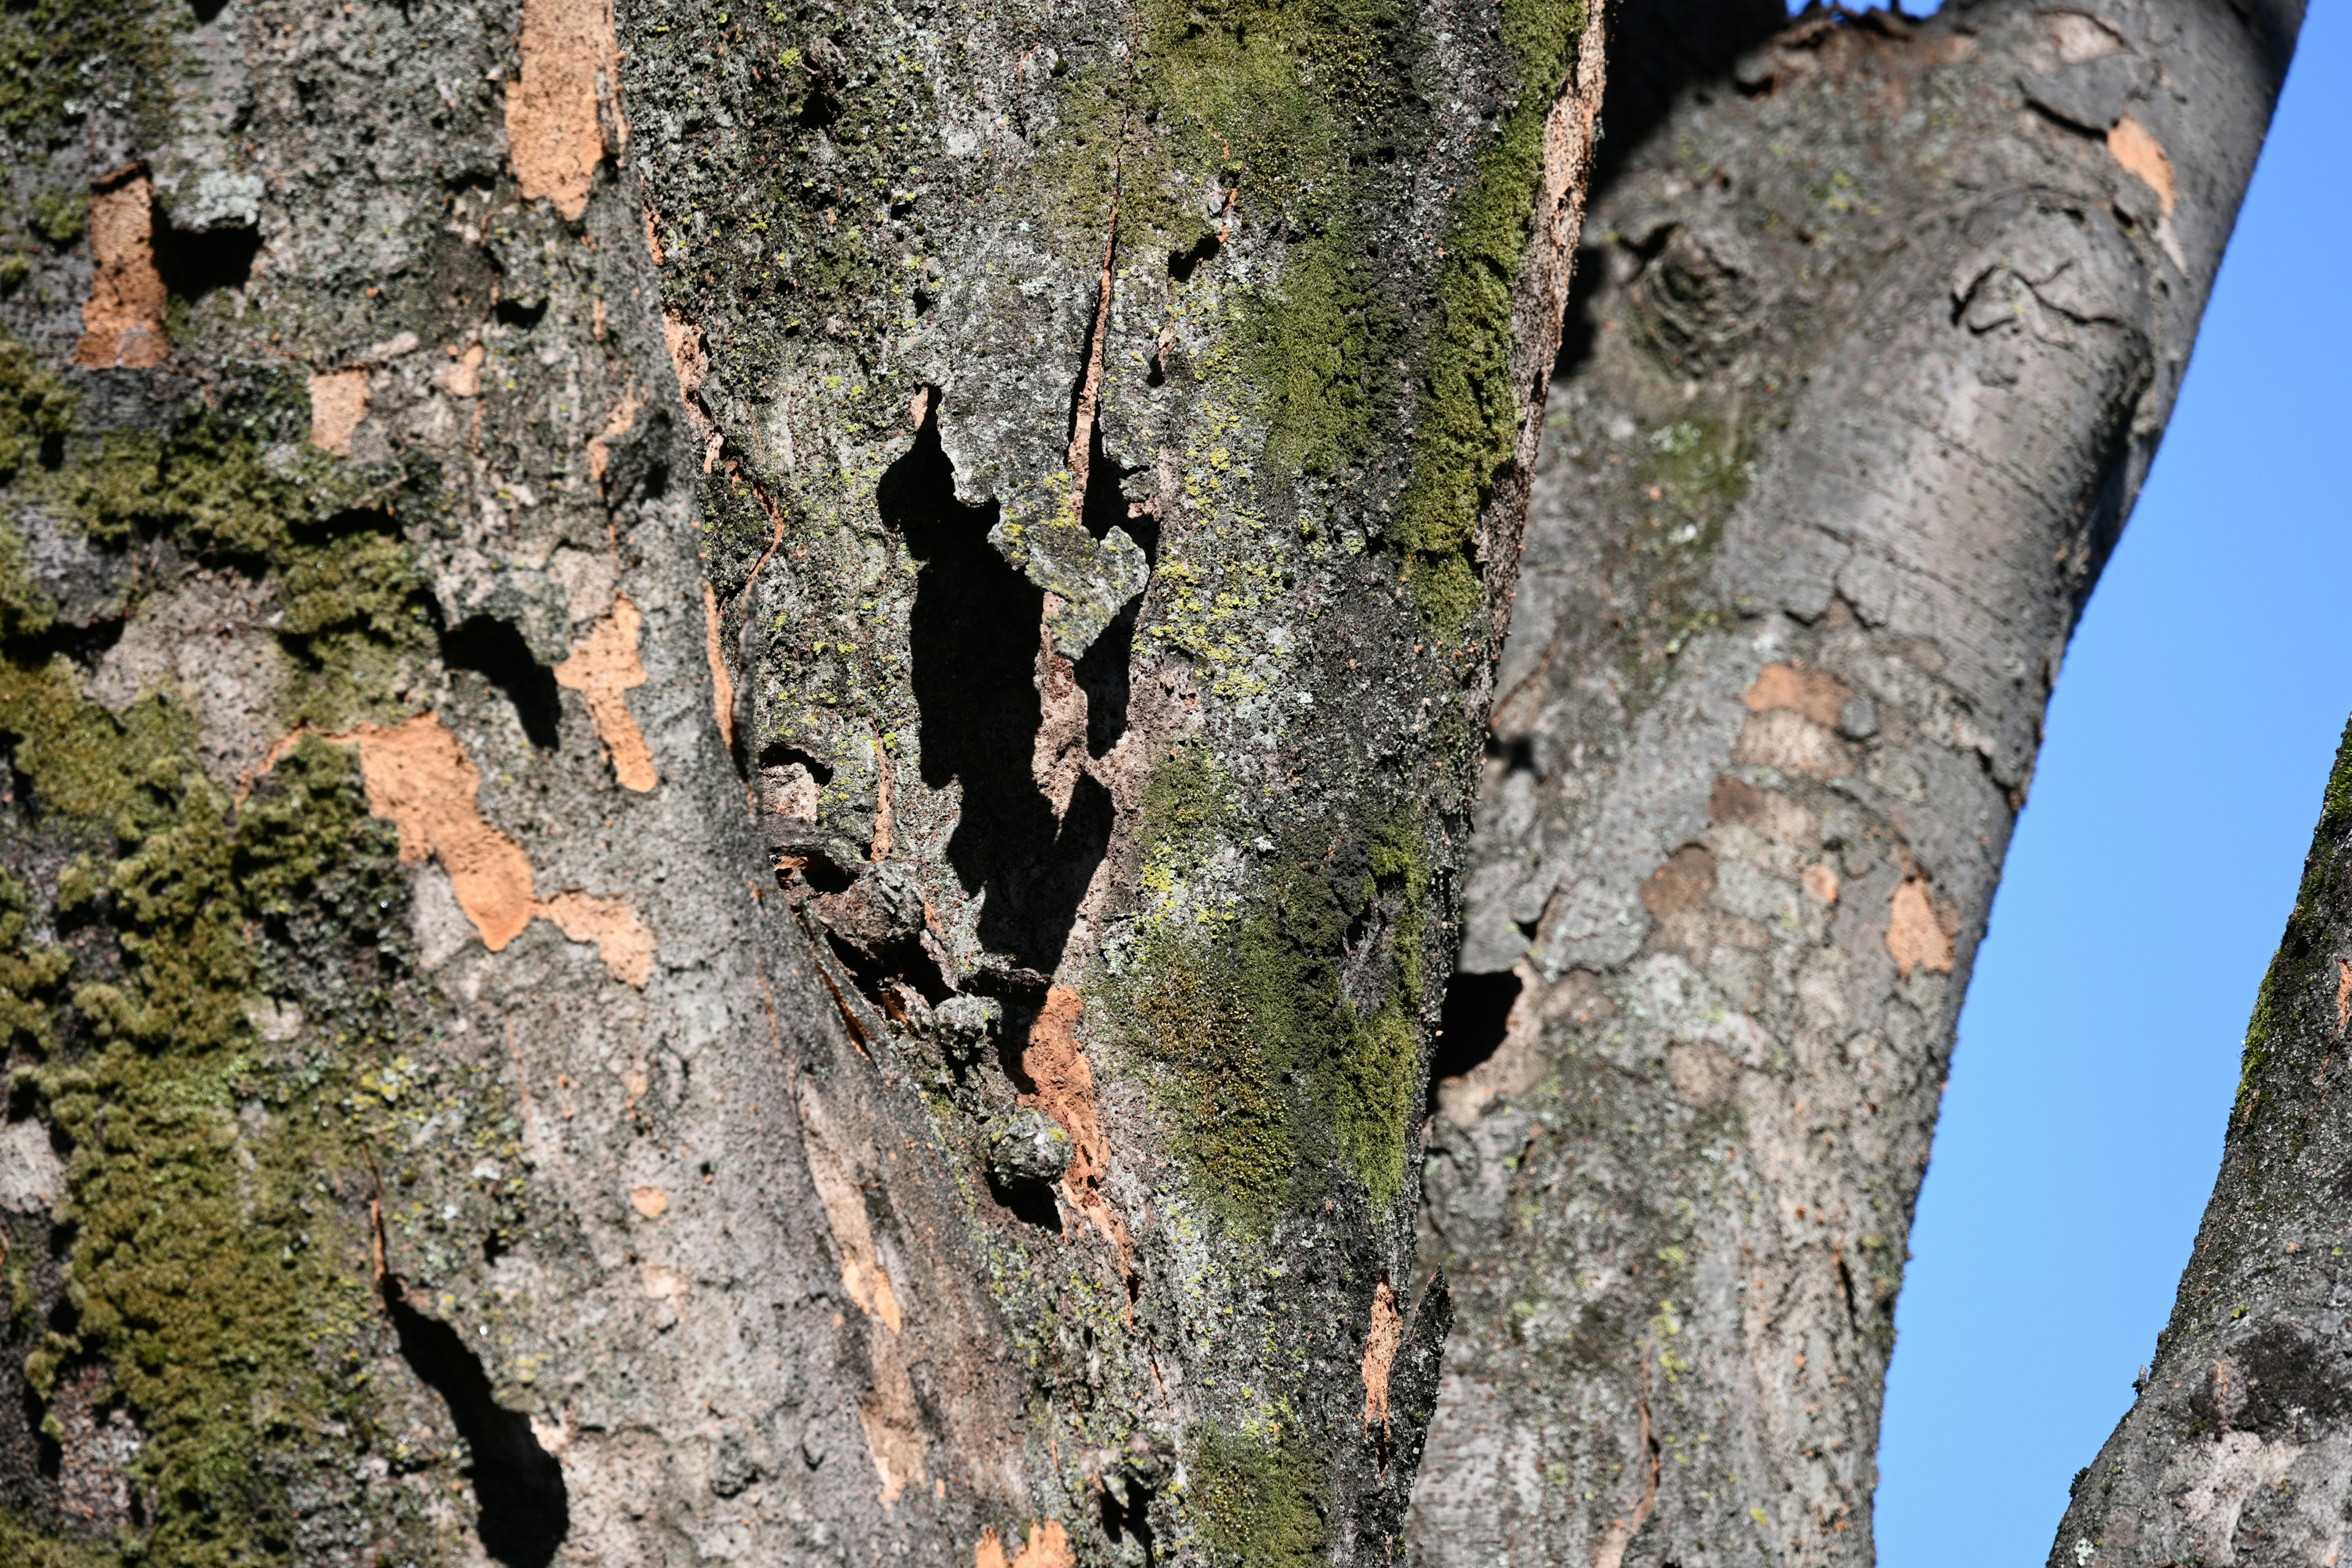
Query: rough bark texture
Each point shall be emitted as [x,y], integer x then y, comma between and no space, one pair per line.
[736,745]
[2239,1449]
[1884,321]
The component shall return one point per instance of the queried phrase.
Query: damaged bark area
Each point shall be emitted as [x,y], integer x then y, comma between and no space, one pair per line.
[735,748]
[1881,324]
[1113,434]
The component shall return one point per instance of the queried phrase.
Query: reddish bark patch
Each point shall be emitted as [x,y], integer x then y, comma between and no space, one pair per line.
[722,685]
[1054,1060]
[123,320]
[602,669]
[2141,155]
[338,401]
[419,778]
[1380,1343]
[1915,936]
[552,135]
[1048,1547]
[1815,693]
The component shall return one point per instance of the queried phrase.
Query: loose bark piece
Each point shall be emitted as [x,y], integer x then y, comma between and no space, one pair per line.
[338,401]
[1871,360]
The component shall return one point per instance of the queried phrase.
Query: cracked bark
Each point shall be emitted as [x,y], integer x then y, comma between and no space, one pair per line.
[1878,327]
[654,661]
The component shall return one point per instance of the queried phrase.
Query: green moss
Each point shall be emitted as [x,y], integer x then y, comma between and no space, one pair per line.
[1469,409]
[1257,1505]
[35,408]
[27,1548]
[29,976]
[209,1274]
[1188,800]
[354,605]
[213,1274]
[1270,1070]
[84,763]
[53,52]
[1309,344]
[24,610]
[1234,1130]
[59,216]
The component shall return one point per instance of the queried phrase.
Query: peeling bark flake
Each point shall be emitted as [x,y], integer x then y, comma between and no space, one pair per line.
[722,685]
[1914,936]
[1815,693]
[1054,1062]
[602,667]
[1381,1345]
[123,320]
[552,135]
[338,401]
[1048,1547]
[2143,156]
[418,777]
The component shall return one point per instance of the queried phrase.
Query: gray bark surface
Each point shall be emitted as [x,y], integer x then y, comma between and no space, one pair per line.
[1884,321]
[2236,1449]
[736,751]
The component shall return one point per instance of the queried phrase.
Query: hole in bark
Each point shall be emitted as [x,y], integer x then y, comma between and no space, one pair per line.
[515,314]
[1477,1006]
[975,640]
[206,10]
[495,650]
[194,262]
[819,109]
[523,1509]
[1128,1517]
[1030,1205]
[1182,264]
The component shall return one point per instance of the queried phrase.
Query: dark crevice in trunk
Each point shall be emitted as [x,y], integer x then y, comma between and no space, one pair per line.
[524,1511]
[194,262]
[1477,1008]
[976,646]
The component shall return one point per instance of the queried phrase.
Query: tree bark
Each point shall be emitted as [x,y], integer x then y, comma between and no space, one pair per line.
[2235,1451]
[737,745]
[1884,319]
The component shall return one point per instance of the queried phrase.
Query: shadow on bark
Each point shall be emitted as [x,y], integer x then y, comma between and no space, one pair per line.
[1477,1010]
[975,641]
[495,651]
[523,1511]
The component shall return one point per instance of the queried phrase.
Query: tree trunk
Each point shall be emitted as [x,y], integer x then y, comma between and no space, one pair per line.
[1884,319]
[2237,1448]
[737,749]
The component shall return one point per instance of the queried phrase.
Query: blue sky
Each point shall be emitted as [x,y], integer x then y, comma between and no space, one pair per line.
[2151,873]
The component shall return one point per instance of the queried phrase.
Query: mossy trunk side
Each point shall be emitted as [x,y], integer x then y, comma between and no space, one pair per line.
[737,745]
